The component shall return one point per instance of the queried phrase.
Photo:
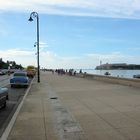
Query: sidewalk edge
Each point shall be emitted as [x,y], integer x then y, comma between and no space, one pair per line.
[13,119]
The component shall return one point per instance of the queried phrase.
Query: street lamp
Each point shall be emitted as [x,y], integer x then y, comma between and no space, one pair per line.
[35,44]
[35,15]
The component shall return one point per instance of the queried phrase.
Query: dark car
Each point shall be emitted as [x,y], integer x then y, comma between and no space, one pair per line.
[136,76]
[19,79]
[107,73]
[3,97]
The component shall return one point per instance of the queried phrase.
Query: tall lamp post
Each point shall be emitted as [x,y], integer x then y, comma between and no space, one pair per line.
[35,15]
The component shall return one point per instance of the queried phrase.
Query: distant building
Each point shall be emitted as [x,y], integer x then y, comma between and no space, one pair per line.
[108,66]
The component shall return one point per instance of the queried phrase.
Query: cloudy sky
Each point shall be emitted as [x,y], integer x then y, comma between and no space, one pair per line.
[73,34]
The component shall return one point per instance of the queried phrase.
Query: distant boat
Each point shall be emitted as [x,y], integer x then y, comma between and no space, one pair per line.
[136,76]
[107,73]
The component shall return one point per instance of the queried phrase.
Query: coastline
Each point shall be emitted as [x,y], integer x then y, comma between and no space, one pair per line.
[115,73]
[111,79]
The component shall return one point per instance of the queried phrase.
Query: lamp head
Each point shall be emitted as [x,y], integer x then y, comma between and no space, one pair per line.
[30,19]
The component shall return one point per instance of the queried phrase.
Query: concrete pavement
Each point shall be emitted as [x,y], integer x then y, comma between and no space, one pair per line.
[71,108]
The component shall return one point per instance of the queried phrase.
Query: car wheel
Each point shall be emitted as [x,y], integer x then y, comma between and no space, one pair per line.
[4,105]
[7,97]
[11,86]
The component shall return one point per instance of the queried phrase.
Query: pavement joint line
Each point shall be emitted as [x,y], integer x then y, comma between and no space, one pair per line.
[124,114]
[12,121]
[115,128]
[43,110]
[64,122]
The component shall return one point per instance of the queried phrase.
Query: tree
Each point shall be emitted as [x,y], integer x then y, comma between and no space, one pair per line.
[12,64]
[1,63]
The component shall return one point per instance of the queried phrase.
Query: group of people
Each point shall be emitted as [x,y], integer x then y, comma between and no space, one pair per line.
[68,72]
[60,71]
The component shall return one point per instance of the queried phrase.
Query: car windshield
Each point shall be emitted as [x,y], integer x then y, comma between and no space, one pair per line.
[19,74]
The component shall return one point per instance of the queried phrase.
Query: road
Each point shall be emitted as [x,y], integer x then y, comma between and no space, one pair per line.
[4,80]
[15,96]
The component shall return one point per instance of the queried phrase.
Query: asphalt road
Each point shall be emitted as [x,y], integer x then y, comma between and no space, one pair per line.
[15,96]
[4,80]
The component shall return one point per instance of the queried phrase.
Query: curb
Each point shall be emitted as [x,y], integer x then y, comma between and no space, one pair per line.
[13,119]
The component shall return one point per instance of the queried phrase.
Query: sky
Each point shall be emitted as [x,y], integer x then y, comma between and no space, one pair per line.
[73,34]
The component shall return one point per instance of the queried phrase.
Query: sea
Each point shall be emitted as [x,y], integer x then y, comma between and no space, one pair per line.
[115,73]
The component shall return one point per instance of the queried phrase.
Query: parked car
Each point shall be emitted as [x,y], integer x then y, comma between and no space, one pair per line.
[107,73]
[19,79]
[2,73]
[136,76]
[31,71]
[3,97]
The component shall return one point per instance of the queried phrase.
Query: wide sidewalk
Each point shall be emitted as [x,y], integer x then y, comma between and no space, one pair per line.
[70,108]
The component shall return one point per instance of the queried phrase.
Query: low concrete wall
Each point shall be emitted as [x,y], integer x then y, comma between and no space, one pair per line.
[116,80]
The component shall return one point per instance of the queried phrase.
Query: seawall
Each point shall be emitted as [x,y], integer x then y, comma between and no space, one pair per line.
[111,79]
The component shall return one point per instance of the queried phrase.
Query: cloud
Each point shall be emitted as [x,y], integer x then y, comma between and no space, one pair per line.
[105,8]
[14,53]
[41,44]
[134,49]
[50,59]
[107,57]
[115,57]
[24,57]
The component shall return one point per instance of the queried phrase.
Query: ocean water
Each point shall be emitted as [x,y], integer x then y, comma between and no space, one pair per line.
[116,73]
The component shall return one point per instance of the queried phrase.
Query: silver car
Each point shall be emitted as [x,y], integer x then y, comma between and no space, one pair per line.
[3,97]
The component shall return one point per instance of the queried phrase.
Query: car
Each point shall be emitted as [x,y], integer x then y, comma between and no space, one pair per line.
[2,73]
[107,73]
[31,71]
[136,76]
[3,97]
[19,79]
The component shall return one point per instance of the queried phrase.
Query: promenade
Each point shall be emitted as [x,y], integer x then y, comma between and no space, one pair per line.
[70,108]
